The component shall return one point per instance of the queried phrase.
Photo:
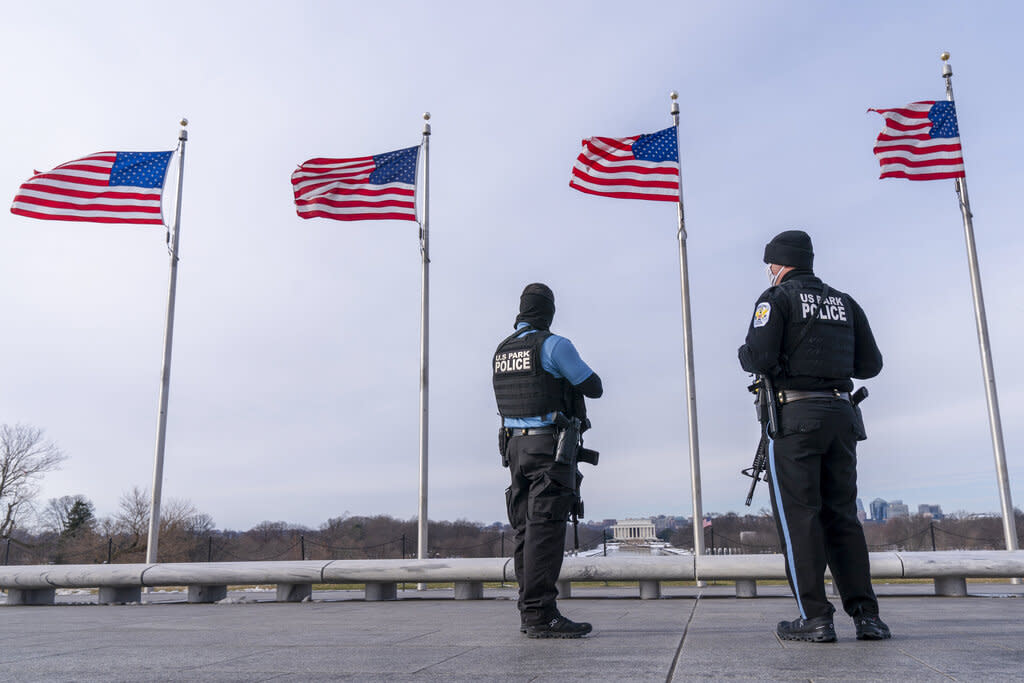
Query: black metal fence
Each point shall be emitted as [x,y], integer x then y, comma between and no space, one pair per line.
[291,544]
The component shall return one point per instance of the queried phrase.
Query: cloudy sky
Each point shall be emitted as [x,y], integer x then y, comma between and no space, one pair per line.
[294,388]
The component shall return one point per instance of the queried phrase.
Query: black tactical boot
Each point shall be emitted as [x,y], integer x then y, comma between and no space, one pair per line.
[558,627]
[816,630]
[870,627]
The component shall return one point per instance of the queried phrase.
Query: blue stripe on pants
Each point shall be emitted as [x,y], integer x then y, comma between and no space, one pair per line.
[785,527]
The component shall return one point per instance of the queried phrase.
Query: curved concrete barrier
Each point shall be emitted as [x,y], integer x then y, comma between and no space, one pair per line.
[734,567]
[208,581]
[967,563]
[643,568]
[233,573]
[415,571]
[35,577]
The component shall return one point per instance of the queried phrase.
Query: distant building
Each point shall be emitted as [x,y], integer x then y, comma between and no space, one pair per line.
[898,509]
[933,511]
[662,522]
[634,530]
[861,514]
[879,510]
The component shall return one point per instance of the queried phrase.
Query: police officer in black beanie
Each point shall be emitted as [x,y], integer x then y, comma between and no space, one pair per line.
[811,340]
[535,375]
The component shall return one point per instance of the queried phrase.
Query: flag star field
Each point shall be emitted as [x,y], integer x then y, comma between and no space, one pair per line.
[395,167]
[943,118]
[658,147]
[140,169]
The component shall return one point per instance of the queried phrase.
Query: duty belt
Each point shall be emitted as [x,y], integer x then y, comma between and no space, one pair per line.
[530,431]
[790,395]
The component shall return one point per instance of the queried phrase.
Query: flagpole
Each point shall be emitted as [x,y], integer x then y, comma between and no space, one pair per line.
[165,376]
[995,424]
[691,391]
[421,544]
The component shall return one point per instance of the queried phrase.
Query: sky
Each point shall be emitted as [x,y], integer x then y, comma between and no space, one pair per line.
[295,373]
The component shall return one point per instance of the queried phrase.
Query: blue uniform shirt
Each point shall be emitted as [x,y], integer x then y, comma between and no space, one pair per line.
[560,358]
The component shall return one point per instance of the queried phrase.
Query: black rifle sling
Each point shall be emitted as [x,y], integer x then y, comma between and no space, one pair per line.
[521,330]
[807,325]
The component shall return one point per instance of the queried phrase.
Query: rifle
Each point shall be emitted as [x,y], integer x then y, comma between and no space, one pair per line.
[570,450]
[768,415]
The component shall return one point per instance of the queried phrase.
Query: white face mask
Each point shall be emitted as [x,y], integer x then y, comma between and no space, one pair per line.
[771,276]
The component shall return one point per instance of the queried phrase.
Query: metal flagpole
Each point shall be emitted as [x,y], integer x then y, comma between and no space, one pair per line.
[691,391]
[165,378]
[421,544]
[995,424]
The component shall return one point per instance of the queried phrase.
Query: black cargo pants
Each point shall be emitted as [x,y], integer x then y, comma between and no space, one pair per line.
[812,467]
[539,501]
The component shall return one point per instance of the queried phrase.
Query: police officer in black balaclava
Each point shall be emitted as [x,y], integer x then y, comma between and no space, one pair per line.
[535,374]
[811,340]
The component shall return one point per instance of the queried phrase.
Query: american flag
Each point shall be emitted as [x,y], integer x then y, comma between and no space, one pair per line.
[378,187]
[638,167]
[920,141]
[707,522]
[106,187]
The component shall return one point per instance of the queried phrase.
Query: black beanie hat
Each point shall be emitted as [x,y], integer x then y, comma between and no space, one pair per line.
[536,306]
[790,248]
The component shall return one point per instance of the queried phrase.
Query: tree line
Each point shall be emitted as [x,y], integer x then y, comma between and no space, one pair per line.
[73,535]
[66,530]
[735,534]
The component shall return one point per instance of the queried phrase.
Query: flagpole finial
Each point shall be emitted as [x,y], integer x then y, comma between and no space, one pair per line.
[426,123]
[675,106]
[184,122]
[183,134]
[944,56]
[947,70]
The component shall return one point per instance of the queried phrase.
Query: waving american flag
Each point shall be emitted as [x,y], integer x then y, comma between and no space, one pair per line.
[376,187]
[920,141]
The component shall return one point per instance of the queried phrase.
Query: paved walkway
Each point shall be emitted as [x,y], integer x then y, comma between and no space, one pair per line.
[690,634]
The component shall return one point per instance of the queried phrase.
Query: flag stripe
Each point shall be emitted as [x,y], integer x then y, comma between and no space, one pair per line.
[82,190]
[67,191]
[626,169]
[939,159]
[396,216]
[45,201]
[380,187]
[910,146]
[624,191]
[920,176]
[118,216]
[633,179]
[629,172]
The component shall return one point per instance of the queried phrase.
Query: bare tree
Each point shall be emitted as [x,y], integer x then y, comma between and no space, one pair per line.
[182,525]
[132,516]
[68,514]
[25,456]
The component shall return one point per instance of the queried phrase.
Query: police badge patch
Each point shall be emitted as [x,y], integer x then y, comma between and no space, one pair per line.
[762,313]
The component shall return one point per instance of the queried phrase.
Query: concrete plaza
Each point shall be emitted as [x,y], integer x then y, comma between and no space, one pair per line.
[690,634]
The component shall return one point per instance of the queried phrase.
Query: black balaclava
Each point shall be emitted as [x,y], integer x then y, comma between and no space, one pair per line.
[790,248]
[536,306]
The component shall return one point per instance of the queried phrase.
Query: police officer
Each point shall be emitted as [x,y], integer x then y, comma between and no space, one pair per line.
[811,339]
[535,376]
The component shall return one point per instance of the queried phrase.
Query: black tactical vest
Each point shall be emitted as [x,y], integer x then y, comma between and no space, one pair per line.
[522,387]
[827,348]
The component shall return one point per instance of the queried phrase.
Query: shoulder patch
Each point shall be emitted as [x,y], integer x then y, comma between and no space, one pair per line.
[762,313]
